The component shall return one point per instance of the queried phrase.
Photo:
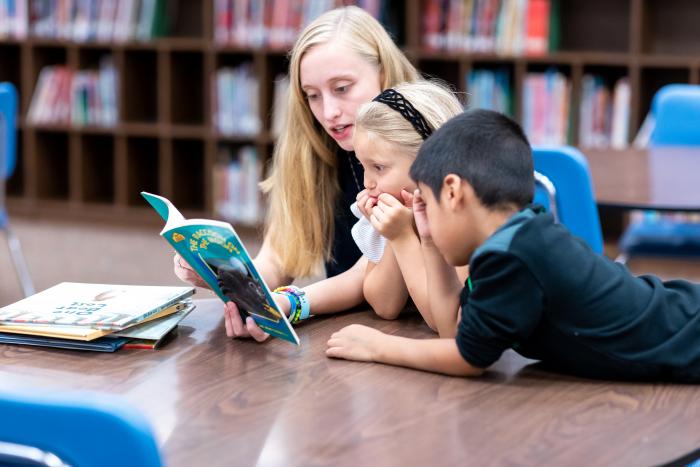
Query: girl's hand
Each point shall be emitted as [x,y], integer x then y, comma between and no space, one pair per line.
[236,328]
[420,216]
[365,203]
[391,218]
[185,273]
[355,342]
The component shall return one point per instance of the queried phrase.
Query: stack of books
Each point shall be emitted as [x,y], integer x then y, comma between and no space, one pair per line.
[98,317]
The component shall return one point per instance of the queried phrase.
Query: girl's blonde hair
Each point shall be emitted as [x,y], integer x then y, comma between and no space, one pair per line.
[434,100]
[303,183]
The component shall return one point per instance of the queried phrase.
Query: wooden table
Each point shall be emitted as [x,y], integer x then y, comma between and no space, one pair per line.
[218,401]
[659,179]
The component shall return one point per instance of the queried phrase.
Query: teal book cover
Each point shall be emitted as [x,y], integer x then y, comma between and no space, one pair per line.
[211,247]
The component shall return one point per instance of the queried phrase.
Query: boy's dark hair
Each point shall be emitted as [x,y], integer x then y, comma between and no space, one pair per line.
[485,148]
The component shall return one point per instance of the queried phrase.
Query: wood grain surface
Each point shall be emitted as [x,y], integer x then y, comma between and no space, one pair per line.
[218,401]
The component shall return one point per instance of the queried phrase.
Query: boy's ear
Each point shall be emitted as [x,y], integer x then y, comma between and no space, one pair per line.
[456,191]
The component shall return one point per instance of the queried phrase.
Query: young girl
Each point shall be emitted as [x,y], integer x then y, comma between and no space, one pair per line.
[341,60]
[388,133]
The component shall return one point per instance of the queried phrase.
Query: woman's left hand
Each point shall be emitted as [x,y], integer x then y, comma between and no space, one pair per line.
[391,217]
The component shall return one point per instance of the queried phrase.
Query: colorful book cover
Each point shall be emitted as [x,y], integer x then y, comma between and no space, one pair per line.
[103,344]
[85,333]
[98,306]
[211,247]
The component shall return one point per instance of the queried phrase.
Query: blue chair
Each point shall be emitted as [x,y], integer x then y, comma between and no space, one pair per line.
[81,430]
[675,110]
[8,140]
[564,187]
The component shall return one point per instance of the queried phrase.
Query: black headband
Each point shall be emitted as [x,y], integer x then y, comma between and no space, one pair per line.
[396,101]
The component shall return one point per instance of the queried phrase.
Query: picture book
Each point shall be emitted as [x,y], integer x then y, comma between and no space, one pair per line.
[212,248]
[155,330]
[103,344]
[97,306]
[85,333]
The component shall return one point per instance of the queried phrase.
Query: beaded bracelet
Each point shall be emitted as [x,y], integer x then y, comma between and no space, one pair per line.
[300,309]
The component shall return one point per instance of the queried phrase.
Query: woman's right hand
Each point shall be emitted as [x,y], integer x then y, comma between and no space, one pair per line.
[186,273]
[235,327]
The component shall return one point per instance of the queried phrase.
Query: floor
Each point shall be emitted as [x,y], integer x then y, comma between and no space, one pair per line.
[82,252]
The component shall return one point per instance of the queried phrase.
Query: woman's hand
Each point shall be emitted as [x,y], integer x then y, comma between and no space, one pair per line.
[236,328]
[186,273]
[391,217]
[355,342]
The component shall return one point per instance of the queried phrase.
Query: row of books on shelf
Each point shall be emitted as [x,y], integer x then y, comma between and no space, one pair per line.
[603,112]
[236,101]
[84,20]
[515,27]
[100,317]
[276,23]
[236,190]
[84,97]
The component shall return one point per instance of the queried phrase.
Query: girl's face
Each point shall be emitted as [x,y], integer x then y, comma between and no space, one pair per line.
[386,166]
[337,81]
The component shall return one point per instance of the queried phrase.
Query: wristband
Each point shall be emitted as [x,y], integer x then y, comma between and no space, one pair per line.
[300,306]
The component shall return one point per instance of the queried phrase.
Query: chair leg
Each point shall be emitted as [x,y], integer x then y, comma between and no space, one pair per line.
[25,279]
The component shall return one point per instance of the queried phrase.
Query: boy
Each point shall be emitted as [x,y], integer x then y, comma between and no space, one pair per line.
[533,286]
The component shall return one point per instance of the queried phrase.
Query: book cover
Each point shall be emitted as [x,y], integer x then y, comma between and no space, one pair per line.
[103,344]
[84,333]
[99,306]
[211,248]
[156,329]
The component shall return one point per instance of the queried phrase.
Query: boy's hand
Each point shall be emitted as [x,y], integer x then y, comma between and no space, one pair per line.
[355,342]
[391,217]
[185,273]
[365,202]
[420,216]
[236,328]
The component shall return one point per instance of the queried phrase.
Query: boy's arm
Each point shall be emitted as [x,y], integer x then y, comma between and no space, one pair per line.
[412,265]
[384,287]
[362,343]
[445,288]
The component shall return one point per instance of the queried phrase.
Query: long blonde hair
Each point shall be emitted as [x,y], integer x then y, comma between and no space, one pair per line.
[303,183]
[433,99]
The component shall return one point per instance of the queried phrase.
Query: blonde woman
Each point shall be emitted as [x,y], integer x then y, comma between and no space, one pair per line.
[389,132]
[341,60]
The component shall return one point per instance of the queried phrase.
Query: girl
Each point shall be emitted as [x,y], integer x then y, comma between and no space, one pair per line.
[341,60]
[389,131]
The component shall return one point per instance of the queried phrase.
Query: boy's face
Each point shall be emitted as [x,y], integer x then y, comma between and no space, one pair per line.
[450,225]
[386,166]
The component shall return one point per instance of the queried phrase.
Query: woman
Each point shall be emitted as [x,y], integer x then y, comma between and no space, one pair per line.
[341,60]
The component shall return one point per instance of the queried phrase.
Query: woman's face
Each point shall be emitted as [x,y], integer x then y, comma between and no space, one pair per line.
[337,81]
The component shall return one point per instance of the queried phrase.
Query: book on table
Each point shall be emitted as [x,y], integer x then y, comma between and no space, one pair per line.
[214,250]
[98,306]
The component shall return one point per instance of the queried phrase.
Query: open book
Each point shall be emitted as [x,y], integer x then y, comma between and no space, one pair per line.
[213,249]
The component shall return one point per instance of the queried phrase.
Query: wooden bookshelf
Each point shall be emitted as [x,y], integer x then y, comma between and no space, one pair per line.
[166,142]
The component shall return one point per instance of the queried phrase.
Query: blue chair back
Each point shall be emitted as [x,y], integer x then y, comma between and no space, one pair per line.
[8,133]
[567,169]
[676,112]
[83,430]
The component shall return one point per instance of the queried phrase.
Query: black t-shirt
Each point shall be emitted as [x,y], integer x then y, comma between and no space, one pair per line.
[344,252]
[543,292]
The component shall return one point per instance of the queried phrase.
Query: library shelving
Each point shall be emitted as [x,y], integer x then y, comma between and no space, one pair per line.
[166,138]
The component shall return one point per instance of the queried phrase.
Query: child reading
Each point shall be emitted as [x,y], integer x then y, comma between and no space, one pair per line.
[388,133]
[533,286]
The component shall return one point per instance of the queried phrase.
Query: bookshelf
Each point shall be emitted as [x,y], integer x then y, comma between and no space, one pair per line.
[166,141]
